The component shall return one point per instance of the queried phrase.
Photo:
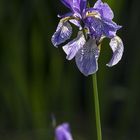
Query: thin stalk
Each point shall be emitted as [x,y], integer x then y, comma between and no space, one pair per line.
[97,108]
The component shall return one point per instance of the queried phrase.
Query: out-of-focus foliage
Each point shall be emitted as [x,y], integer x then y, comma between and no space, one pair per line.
[36,81]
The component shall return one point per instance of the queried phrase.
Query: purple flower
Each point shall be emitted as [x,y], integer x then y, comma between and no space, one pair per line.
[62,132]
[97,24]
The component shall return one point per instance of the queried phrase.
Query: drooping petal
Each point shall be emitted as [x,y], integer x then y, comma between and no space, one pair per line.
[86,58]
[62,132]
[73,46]
[117,47]
[110,28]
[105,10]
[63,33]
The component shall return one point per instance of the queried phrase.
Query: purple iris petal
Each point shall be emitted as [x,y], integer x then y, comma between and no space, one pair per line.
[76,23]
[98,27]
[73,21]
[104,9]
[62,132]
[73,46]
[117,47]
[86,58]
[76,6]
[83,4]
[63,33]
[110,28]
[95,27]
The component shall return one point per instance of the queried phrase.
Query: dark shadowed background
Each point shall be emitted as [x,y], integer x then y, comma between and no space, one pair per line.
[37,81]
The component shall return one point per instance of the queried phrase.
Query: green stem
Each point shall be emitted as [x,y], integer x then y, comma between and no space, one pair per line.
[97,108]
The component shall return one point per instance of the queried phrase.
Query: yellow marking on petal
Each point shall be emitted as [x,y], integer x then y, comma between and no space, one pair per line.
[93,14]
[99,46]
[69,18]
[101,39]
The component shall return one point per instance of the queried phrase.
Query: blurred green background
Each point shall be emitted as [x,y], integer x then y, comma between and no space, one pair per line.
[37,81]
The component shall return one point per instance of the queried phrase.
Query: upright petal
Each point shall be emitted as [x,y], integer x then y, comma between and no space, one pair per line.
[77,6]
[73,46]
[63,33]
[117,47]
[81,4]
[86,58]
[62,132]
[104,9]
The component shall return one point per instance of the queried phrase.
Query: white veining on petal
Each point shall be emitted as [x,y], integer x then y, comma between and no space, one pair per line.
[117,47]
[63,33]
[76,23]
[105,8]
[73,46]
[94,14]
[87,57]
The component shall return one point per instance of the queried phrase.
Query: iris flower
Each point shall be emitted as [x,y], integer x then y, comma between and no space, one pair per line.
[62,132]
[94,24]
